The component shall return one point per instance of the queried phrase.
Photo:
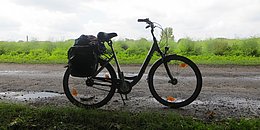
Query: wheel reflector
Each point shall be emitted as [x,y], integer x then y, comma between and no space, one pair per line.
[171,99]
[183,65]
[74,92]
[106,76]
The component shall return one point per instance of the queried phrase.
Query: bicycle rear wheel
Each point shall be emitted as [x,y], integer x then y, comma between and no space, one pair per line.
[90,92]
[180,90]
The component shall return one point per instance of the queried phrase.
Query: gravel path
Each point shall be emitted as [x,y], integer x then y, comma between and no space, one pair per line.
[228,91]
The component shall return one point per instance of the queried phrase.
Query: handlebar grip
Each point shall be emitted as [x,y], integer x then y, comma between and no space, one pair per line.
[143,20]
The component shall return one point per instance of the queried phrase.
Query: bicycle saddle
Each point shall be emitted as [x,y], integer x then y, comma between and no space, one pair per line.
[105,37]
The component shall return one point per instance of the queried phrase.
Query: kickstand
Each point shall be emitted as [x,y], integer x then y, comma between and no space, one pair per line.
[124,98]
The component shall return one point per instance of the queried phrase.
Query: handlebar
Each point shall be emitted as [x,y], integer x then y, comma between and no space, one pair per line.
[150,23]
[144,20]
[154,25]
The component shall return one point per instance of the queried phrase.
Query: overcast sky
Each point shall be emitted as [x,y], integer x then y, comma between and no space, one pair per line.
[68,19]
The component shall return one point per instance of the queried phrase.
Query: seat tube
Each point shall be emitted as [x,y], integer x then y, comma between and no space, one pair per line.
[117,63]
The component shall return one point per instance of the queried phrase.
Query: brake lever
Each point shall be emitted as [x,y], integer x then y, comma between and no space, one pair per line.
[148,26]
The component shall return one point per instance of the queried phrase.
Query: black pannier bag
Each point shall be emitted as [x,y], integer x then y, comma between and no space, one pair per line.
[83,56]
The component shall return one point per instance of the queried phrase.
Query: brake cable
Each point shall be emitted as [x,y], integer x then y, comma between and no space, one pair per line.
[166,35]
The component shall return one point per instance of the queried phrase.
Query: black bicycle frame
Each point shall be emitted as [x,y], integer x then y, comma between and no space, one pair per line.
[154,48]
[137,78]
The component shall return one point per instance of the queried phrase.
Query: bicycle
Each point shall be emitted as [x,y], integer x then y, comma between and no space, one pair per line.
[174,81]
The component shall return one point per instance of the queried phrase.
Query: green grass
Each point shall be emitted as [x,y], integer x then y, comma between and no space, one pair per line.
[16,116]
[226,60]
[210,51]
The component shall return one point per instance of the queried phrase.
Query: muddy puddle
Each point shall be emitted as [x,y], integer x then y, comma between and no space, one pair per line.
[224,101]
[25,96]
[216,100]
[15,72]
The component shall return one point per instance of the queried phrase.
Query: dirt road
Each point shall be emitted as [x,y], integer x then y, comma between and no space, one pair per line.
[228,91]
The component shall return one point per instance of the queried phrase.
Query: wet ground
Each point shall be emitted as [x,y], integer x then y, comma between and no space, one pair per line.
[228,91]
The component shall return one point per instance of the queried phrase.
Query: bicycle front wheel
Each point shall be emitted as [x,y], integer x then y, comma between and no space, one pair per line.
[90,92]
[177,87]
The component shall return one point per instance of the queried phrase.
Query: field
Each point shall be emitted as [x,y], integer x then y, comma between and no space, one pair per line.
[210,51]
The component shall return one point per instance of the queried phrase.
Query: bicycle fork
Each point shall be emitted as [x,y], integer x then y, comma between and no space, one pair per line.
[172,80]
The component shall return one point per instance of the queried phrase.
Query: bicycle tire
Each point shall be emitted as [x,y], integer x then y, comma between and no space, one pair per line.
[86,96]
[181,91]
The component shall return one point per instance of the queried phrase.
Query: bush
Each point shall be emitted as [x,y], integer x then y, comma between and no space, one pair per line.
[135,51]
[185,46]
[132,47]
[188,47]
[235,48]
[250,47]
[218,47]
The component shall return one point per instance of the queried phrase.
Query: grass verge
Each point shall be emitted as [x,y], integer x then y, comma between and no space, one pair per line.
[16,116]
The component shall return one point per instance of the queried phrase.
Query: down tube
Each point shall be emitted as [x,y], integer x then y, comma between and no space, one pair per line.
[144,66]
